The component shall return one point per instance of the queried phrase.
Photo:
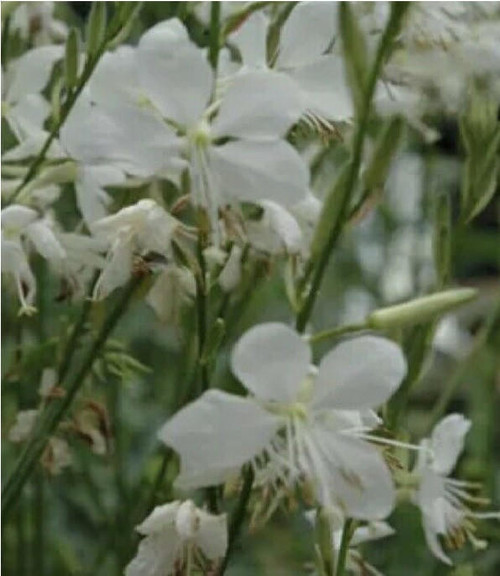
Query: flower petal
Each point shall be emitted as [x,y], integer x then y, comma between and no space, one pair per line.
[360,373]
[45,241]
[361,483]
[216,435]
[212,535]
[324,89]
[260,104]
[271,360]
[156,555]
[174,73]
[307,33]
[250,39]
[260,170]
[448,442]
[161,518]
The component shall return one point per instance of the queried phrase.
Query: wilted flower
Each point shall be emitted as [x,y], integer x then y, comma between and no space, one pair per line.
[178,536]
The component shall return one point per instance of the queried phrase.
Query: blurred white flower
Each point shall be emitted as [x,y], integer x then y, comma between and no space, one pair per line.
[57,456]
[176,535]
[35,22]
[23,106]
[25,421]
[443,501]
[299,424]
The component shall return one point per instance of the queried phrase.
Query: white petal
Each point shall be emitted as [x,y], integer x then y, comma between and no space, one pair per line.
[324,89]
[91,198]
[373,531]
[284,225]
[360,373]
[156,555]
[45,241]
[174,288]
[260,104]
[307,33]
[17,217]
[448,442]
[212,535]
[30,73]
[361,483]
[216,435]
[174,73]
[250,39]
[161,518]
[271,360]
[260,170]
[117,269]
[27,115]
[434,545]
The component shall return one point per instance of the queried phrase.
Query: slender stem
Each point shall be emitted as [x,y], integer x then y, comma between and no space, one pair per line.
[5,38]
[73,95]
[337,331]
[39,524]
[213,51]
[55,411]
[344,547]
[238,516]
[352,175]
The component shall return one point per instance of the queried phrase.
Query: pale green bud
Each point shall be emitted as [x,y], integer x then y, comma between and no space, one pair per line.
[96,27]
[420,310]
[71,59]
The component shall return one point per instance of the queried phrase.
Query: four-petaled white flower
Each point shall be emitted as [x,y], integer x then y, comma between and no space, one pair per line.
[178,535]
[443,501]
[299,423]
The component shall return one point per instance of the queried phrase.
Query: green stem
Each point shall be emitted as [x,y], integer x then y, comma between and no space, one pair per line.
[344,547]
[213,51]
[56,410]
[39,524]
[385,45]
[90,64]
[5,38]
[337,331]
[238,516]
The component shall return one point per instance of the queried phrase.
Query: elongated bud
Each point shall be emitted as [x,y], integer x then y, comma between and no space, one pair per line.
[96,27]
[420,310]
[385,148]
[71,59]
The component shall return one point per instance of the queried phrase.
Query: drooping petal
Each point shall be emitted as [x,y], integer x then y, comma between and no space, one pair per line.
[260,170]
[156,555]
[324,89]
[161,518]
[91,198]
[434,545]
[117,269]
[250,39]
[360,373]
[216,435]
[16,217]
[259,104]
[212,535]
[360,481]
[174,73]
[271,360]
[307,33]
[447,441]
[30,73]
[373,531]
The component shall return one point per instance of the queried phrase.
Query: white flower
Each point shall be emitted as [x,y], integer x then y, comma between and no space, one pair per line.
[174,288]
[35,22]
[135,230]
[299,424]
[176,535]
[57,456]
[234,147]
[444,501]
[24,108]
[21,224]
[302,55]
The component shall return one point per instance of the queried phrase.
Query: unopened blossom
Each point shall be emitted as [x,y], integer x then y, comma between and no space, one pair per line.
[445,502]
[299,423]
[178,536]
[234,147]
[136,230]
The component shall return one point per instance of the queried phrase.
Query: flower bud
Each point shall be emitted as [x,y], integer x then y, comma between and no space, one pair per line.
[420,310]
